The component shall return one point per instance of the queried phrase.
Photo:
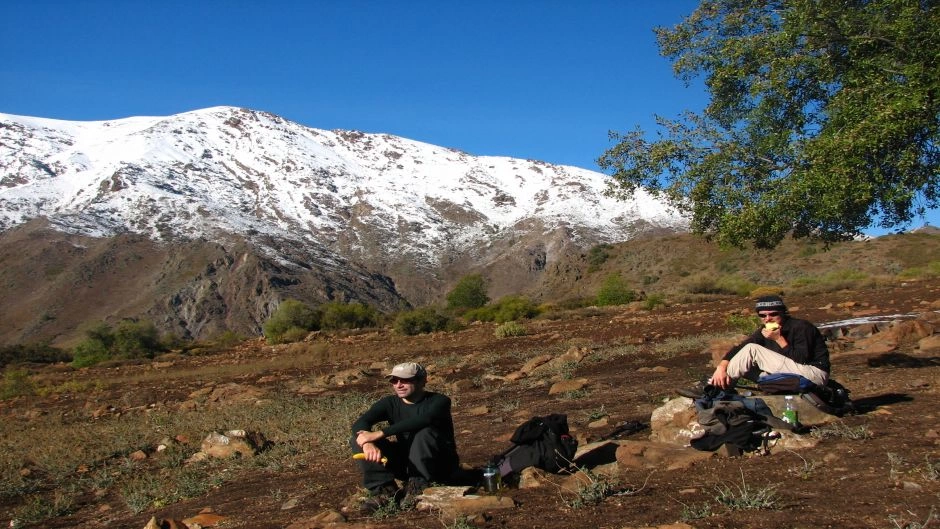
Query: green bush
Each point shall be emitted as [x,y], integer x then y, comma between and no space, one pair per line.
[741,323]
[131,339]
[614,291]
[508,308]
[337,315]
[510,328]
[597,256]
[420,321]
[921,272]
[290,314]
[89,352]
[41,353]
[16,382]
[135,339]
[654,300]
[469,293]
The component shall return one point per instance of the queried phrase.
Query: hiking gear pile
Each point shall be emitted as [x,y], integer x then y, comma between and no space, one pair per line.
[541,442]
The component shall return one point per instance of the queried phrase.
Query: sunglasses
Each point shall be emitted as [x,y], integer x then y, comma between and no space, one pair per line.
[767,314]
[396,380]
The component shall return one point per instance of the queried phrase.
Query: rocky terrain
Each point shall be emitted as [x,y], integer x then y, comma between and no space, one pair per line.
[618,366]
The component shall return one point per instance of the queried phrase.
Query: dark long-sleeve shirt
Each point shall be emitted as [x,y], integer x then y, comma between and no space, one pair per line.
[405,419]
[805,344]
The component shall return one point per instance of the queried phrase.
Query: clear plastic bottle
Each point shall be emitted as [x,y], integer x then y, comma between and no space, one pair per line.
[789,410]
[491,477]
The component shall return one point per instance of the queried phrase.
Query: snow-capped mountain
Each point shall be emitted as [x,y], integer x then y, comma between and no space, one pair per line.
[415,212]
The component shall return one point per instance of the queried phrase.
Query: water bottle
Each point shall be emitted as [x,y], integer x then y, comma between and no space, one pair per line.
[491,477]
[789,410]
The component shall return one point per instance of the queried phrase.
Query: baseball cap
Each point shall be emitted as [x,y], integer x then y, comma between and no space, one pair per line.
[408,370]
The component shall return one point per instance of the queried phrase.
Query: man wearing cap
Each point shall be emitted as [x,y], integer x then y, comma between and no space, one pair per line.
[424,449]
[791,346]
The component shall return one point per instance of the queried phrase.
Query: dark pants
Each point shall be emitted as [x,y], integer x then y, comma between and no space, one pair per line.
[422,454]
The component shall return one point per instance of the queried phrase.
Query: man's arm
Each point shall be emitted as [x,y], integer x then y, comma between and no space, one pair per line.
[362,429]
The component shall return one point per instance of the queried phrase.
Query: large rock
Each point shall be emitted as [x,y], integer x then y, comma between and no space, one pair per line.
[453,502]
[675,422]
[651,455]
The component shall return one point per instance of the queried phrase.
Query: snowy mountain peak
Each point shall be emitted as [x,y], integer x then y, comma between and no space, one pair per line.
[230,169]
[411,211]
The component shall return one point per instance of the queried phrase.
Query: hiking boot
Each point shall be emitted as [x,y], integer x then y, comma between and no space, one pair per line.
[379,498]
[414,488]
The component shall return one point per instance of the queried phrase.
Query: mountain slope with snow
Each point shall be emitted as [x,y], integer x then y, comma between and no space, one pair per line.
[418,213]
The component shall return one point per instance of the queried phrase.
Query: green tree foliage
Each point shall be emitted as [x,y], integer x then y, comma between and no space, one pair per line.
[469,293]
[33,352]
[135,339]
[337,315]
[129,340]
[615,291]
[509,308]
[420,321]
[822,120]
[291,319]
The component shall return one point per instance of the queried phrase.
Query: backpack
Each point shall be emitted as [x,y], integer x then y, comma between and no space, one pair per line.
[785,384]
[541,442]
[832,398]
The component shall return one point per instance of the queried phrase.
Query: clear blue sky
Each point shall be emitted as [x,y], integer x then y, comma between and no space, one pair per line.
[542,79]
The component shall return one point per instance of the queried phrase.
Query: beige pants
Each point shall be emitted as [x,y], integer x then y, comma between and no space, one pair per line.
[754,361]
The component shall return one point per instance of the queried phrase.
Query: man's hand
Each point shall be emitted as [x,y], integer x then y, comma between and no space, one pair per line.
[372,453]
[364,436]
[720,378]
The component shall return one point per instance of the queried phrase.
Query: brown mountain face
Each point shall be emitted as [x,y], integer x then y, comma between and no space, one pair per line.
[55,283]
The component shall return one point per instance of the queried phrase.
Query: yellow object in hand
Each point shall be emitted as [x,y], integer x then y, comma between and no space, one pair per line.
[360,455]
[772,326]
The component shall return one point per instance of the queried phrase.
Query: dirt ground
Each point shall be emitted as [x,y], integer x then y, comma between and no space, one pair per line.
[886,481]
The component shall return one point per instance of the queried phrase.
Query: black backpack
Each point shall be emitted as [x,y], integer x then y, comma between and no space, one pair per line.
[541,442]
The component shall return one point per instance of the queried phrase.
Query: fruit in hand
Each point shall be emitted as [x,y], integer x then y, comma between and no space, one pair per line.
[772,326]
[360,455]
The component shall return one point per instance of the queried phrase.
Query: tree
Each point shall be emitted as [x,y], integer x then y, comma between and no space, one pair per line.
[291,318]
[615,291]
[822,120]
[469,293]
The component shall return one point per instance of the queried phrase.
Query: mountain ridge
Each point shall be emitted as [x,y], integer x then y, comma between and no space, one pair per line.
[345,210]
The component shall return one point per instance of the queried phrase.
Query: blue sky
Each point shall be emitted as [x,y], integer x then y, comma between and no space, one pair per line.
[541,79]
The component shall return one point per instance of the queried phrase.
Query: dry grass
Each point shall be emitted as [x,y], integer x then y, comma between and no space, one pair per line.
[298,428]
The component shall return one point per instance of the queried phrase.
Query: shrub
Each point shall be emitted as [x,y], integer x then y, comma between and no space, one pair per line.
[337,315]
[16,382]
[510,328]
[921,272]
[89,352]
[135,339]
[765,291]
[508,308]
[741,323]
[131,339]
[34,352]
[732,285]
[420,321]
[291,314]
[597,256]
[614,291]
[654,300]
[469,293]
